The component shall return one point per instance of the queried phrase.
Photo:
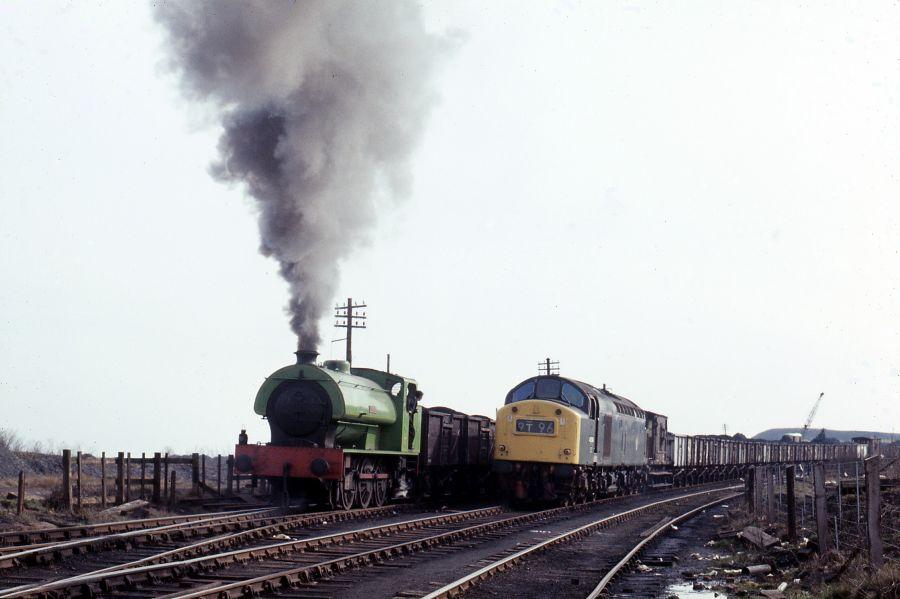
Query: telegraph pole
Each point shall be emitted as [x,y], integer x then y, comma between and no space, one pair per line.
[348,318]
[546,367]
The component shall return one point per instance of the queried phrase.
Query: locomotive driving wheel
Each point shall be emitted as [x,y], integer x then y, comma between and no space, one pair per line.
[367,482]
[381,486]
[341,497]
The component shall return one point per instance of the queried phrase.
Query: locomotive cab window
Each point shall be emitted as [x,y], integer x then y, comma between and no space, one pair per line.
[523,391]
[552,389]
[574,397]
[547,389]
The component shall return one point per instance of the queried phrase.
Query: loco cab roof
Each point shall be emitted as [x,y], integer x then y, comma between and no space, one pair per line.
[573,393]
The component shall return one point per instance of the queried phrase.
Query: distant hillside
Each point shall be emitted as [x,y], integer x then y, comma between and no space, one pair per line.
[775,434]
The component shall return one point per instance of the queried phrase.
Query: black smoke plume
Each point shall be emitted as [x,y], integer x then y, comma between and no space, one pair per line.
[321,104]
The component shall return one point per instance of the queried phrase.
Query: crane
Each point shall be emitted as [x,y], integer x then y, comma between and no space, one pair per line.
[812,414]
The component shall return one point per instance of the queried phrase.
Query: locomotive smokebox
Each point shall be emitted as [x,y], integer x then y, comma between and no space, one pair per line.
[306,356]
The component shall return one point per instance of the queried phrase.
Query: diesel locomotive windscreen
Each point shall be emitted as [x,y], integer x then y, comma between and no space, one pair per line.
[550,388]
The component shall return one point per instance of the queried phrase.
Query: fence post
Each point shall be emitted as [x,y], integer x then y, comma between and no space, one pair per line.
[20,500]
[103,480]
[157,477]
[778,482]
[821,515]
[839,491]
[166,474]
[748,488]
[78,478]
[172,490]
[120,478]
[67,478]
[758,490]
[203,471]
[195,474]
[770,493]
[219,474]
[128,477]
[803,509]
[873,511]
[229,475]
[791,503]
[143,471]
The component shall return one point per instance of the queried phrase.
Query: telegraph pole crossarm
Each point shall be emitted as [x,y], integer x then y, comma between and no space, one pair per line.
[548,367]
[349,319]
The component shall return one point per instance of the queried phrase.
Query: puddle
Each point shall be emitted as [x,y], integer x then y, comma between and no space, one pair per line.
[686,589]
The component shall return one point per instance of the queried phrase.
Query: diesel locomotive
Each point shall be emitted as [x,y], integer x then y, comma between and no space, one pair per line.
[561,440]
[355,437]
[558,438]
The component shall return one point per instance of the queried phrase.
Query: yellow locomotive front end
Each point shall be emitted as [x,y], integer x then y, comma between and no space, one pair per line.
[559,439]
[542,439]
[537,430]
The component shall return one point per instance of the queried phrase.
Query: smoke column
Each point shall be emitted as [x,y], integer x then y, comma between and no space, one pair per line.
[322,103]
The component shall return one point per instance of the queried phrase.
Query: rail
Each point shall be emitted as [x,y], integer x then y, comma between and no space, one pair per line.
[635,551]
[459,586]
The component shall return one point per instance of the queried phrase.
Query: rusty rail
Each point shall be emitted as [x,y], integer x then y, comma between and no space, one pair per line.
[105,581]
[257,525]
[636,550]
[270,582]
[461,585]
[46,552]
[19,538]
[128,575]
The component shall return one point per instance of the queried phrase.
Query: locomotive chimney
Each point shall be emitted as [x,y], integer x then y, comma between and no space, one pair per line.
[305,356]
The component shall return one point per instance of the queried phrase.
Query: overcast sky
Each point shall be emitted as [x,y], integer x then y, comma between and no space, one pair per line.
[694,203]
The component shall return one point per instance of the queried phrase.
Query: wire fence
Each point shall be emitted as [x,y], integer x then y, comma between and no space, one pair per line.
[851,507]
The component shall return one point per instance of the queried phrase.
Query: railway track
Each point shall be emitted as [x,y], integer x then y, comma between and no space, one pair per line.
[42,553]
[219,532]
[601,558]
[308,563]
[170,542]
[9,540]
[623,565]
[153,579]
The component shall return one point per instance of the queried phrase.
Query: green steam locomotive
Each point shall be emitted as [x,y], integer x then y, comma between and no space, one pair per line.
[358,437]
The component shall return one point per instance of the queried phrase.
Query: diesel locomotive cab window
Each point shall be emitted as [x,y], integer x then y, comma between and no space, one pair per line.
[525,391]
[574,396]
[550,388]
[547,389]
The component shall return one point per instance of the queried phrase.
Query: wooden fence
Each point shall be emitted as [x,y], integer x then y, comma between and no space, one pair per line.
[842,502]
[106,481]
